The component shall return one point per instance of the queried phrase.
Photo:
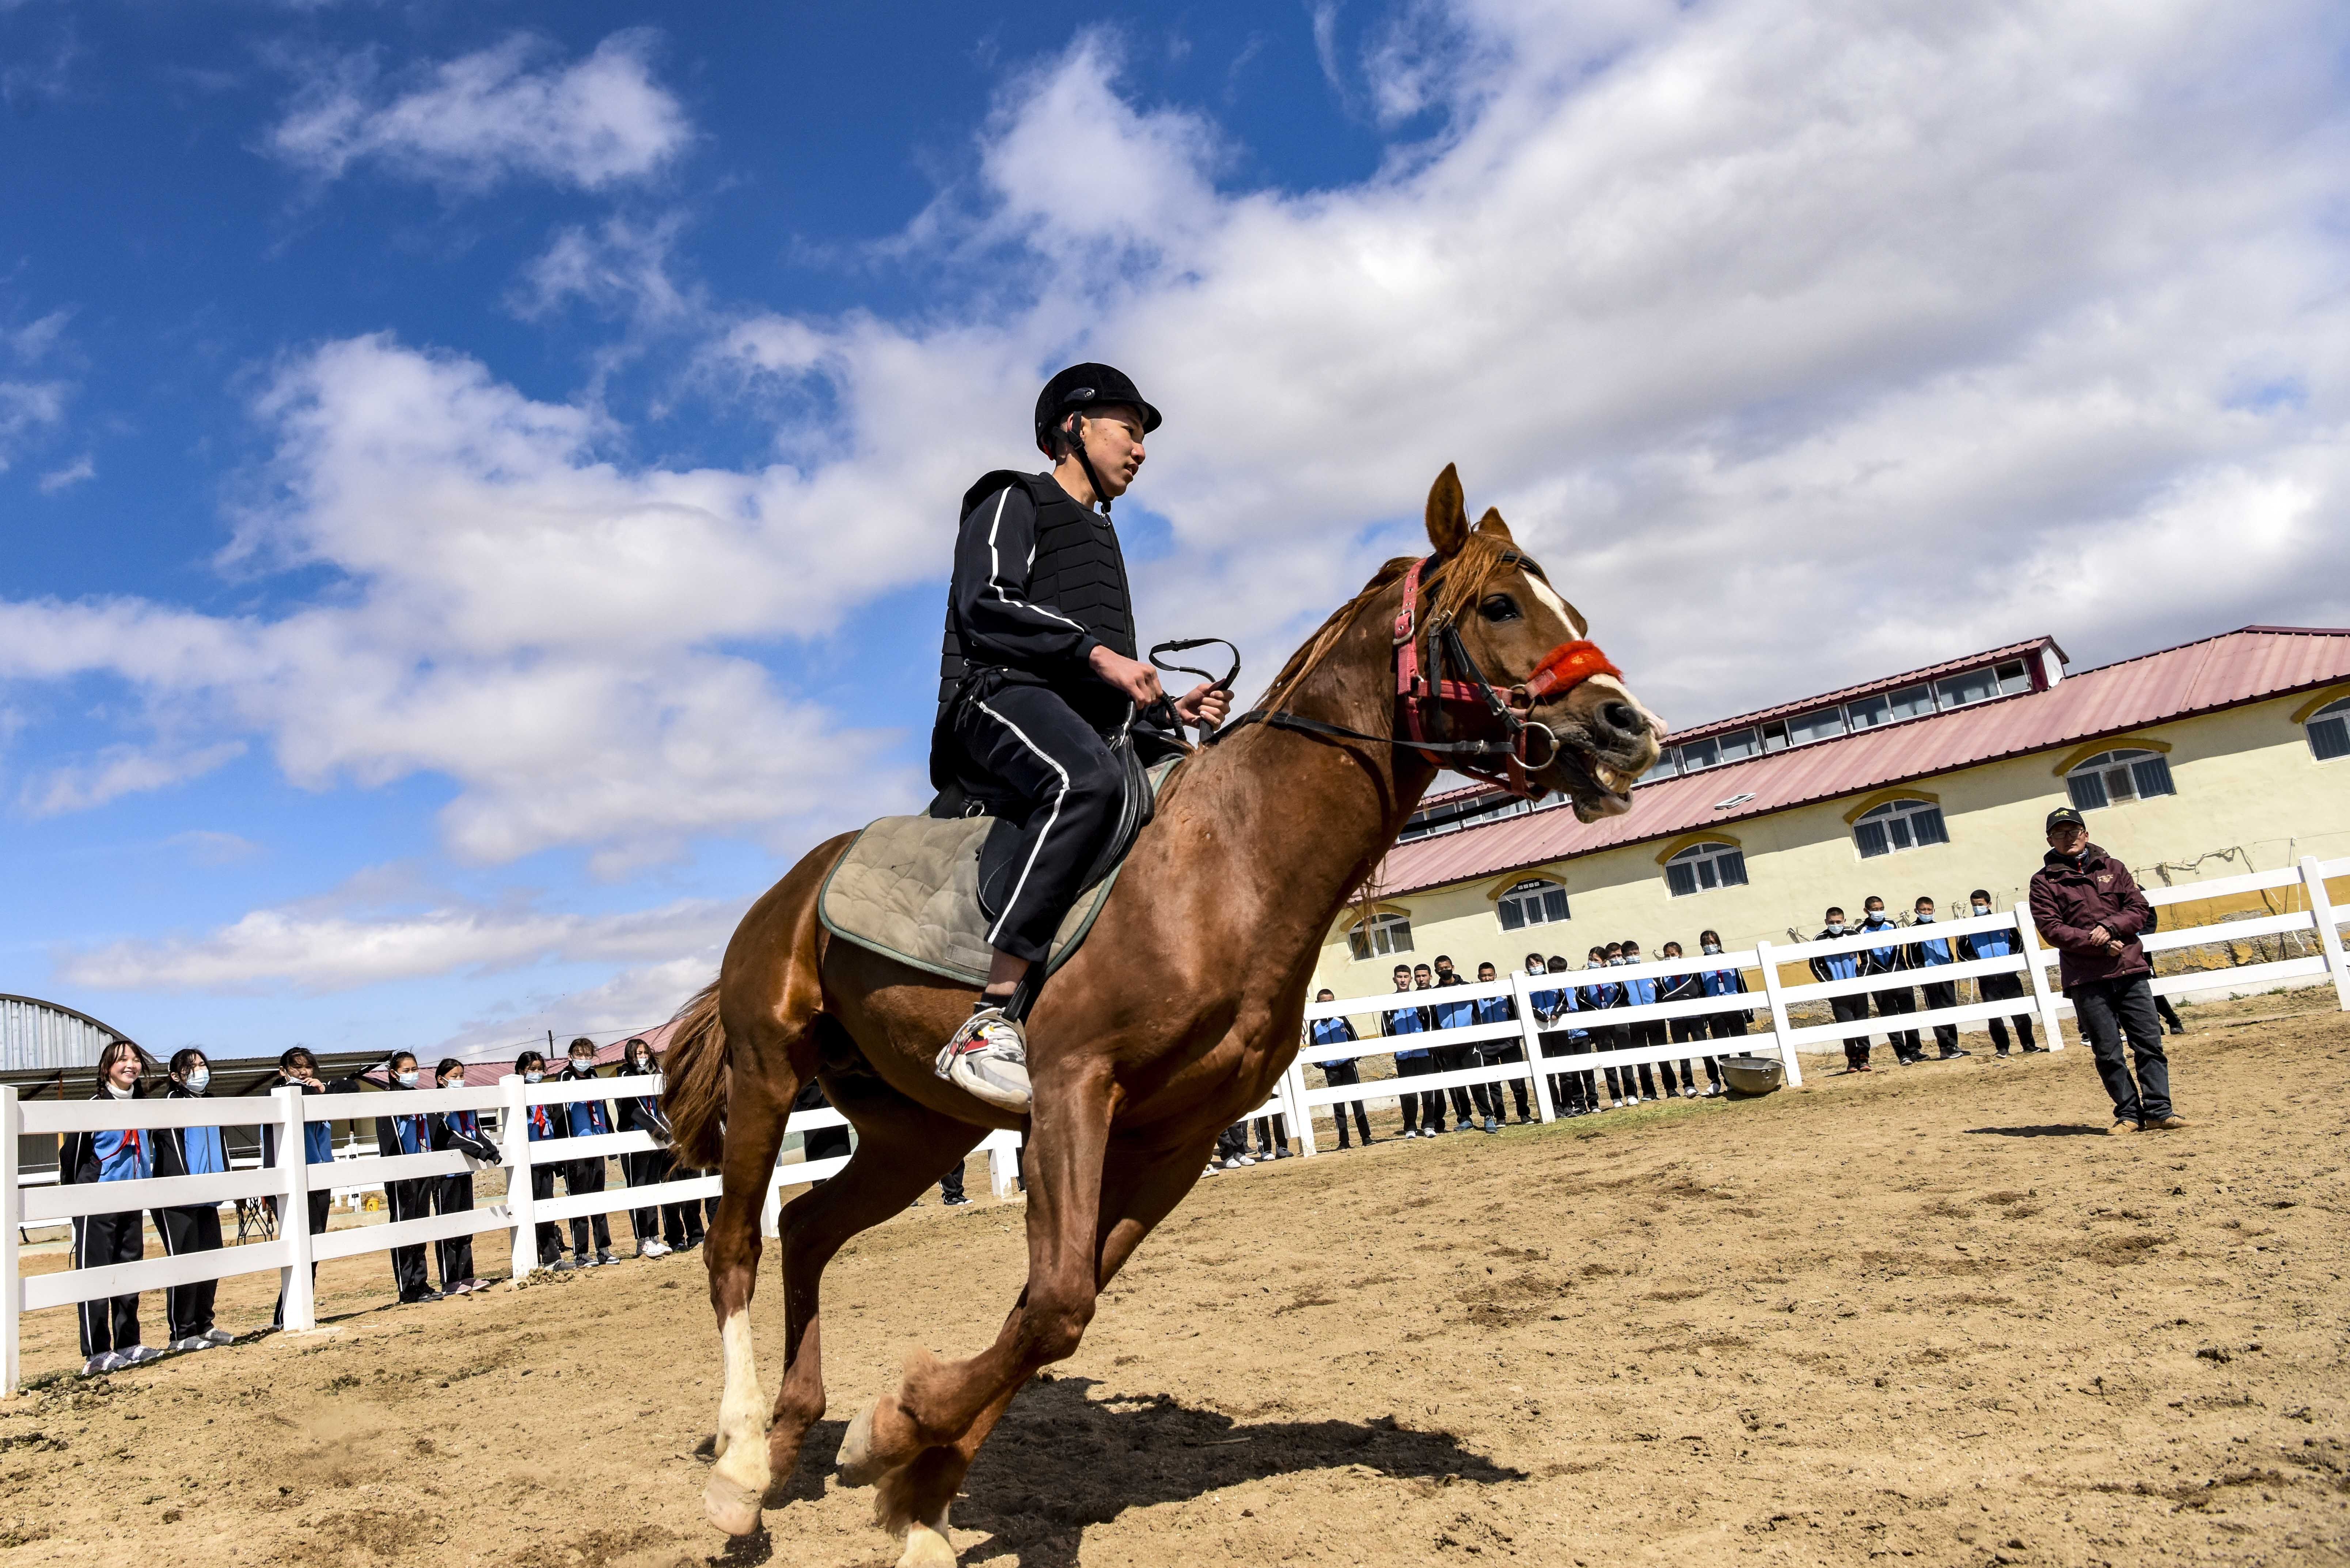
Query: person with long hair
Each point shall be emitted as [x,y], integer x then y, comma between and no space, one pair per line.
[454,1193]
[545,1123]
[297,1066]
[586,1118]
[409,1196]
[110,1327]
[191,1227]
[650,1166]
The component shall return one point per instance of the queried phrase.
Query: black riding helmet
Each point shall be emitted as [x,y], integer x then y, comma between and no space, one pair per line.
[1077,388]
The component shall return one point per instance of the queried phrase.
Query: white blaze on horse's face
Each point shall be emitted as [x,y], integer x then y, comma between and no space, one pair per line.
[1547,596]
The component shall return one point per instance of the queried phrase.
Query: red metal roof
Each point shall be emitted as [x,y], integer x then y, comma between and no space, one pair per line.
[2217,672]
[1869,688]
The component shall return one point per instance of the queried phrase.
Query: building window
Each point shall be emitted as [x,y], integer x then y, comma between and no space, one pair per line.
[1380,936]
[1826,725]
[2117,778]
[1774,737]
[1668,765]
[2329,731]
[1911,701]
[1740,744]
[1969,686]
[1702,867]
[1868,712]
[2014,677]
[1898,825]
[1698,754]
[1536,901]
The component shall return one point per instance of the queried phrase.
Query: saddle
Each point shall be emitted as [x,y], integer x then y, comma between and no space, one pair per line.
[924,890]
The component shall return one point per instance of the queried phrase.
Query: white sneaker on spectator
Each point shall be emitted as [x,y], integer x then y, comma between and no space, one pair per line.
[220,1336]
[140,1355]
[655,1248]
[193,1341]
[97,1365]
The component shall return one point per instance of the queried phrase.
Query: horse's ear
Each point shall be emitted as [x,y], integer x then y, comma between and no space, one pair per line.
[1448,514]
[1492,526]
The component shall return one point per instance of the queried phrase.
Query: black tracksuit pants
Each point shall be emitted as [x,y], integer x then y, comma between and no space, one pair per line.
[1941,993]
[1340,1074]
[550,1234]
[2005,988]
[410,1199]
[1635,1035]
[1453,1059]
[1684,1030]
[586,1176]
[1033,747]
[1412,1102]
[1496,1057]
[1900,1001]
[453,1194]
[100,1239]
[194,1228]
[1853,1010]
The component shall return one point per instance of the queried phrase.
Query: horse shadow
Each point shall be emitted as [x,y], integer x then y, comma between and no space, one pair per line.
[1061,1460]
[2054,1129]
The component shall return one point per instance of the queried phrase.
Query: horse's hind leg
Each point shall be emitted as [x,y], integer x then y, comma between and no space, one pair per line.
[901,1149]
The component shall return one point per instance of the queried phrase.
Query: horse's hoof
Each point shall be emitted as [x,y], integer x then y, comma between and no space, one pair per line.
[855,1460]
[927,1548]
[733,1508]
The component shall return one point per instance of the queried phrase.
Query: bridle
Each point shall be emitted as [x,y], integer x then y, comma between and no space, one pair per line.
[1434,672]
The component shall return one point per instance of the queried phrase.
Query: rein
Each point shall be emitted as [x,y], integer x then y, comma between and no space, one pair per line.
[1423,697]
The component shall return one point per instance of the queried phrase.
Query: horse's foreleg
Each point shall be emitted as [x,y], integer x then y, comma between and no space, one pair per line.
[755,1135]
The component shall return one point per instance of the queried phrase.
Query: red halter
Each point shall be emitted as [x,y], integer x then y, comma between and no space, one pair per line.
[1422,701]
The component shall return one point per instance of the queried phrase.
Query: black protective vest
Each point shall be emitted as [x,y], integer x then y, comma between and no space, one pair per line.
[1079,572]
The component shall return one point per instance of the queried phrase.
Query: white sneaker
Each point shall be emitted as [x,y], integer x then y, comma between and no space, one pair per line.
[97,1365]
[192,1342]
[653,1248]
[220,1336]
[988,1060]
[140,1355]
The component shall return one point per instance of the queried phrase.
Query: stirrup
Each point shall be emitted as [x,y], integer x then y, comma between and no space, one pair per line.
[988,1059]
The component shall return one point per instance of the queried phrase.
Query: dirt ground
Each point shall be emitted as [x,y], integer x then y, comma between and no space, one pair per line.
[1913,1314]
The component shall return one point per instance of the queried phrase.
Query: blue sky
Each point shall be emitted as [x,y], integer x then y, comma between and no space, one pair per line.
[478,478]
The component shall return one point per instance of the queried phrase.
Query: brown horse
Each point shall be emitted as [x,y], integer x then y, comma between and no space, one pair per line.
[1174,1020]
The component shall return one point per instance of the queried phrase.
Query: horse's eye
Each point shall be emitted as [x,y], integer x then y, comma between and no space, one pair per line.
[1499,606]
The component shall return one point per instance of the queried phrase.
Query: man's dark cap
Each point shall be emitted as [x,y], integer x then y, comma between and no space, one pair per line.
[1087,386]
[2062,816]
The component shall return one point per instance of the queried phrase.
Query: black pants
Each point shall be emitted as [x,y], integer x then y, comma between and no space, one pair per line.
[410,1199]
[2109,1010]
[1852,1009]
[453,1194]
[188,1309]
[1729,1025]
[1570,1091]
[1453,1059]
[586,1176]
[2003,988]
[1943,993]
[2169,1014]
[100,1240]
[1232,1142]
[1272,1133]
[1686,1031]
[951,1184]
[550,1234]
[1339,1075]
[657,1222]
[1498,1055]
[1900,1001]
[1605,1038]
[1637,1035]
[1412,1103]
[1053,776]
[320,1202]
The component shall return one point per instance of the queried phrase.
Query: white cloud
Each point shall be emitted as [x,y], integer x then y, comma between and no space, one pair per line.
[473,121]
[73,474]
[118,771]
[641,998]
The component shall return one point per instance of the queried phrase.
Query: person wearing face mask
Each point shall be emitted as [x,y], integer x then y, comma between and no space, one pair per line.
[1340,1074]
[1678,1077]
[1927,957]
[1601,997]
[298,1069]
[1732,1024]
[587,1118]
[1847,1009]
[1897,1001]
[1499,1052]
[1409,1062]
[1996,987]
[1453,1058]
[460,1131]
[546,1122]
[650,1167]
[407,1197]
[1648,1032]
[192,1227]
[110,1328]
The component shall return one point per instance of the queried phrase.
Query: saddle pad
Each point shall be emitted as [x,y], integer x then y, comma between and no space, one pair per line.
[908,889]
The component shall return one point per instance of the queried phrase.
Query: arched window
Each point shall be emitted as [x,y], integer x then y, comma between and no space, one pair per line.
[2115,778]
[1379,936]
[1898,825]
[2329,731]
[1536,901]
[1703,866]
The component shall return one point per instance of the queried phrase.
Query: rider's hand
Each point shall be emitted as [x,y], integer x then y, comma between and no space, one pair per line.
[1137,680]
[1204,704]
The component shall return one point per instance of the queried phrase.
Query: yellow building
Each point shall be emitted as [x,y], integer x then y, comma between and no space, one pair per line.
[2221,756]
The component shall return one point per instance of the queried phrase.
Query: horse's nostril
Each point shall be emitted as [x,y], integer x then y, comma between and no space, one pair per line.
[1624,719]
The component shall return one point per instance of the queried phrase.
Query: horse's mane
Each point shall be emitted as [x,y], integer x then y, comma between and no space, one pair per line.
[1458,582]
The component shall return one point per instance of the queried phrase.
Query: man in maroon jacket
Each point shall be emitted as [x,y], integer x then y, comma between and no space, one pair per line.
[2087,905]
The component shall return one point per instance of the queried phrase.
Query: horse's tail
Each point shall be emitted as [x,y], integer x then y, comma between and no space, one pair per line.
[695,1073]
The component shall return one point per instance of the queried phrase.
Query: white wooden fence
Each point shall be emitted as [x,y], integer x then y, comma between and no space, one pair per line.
[293,1180]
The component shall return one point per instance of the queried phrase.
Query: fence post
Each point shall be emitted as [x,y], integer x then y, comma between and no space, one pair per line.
[1003,1166]
[513,1117]
[2027,943]
[1531,1033]
[1300,1118]
[12,1215]
[296,1289]
[1777,998]
[2329,939]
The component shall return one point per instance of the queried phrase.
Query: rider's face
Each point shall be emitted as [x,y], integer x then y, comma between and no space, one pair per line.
[1113,436]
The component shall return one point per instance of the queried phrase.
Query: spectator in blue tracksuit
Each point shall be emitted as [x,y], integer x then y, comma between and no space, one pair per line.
[1847,1009]
[1457,1014]
[546,1122]
[1601,997]
[1925,957]
[298,1069]
[1410,1062]
[1494,1052]
[1731,1025]
[1340,1074]
[587,1118]
[1678,1077]
[1893,958]
[459,1132]
[652,1166]
[407,1197]
[191,1227]
[1997,987]
[1649,1031]
[1571,1093]
[110,1326]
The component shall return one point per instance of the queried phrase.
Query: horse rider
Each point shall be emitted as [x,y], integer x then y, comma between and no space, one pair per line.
[1038,677]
